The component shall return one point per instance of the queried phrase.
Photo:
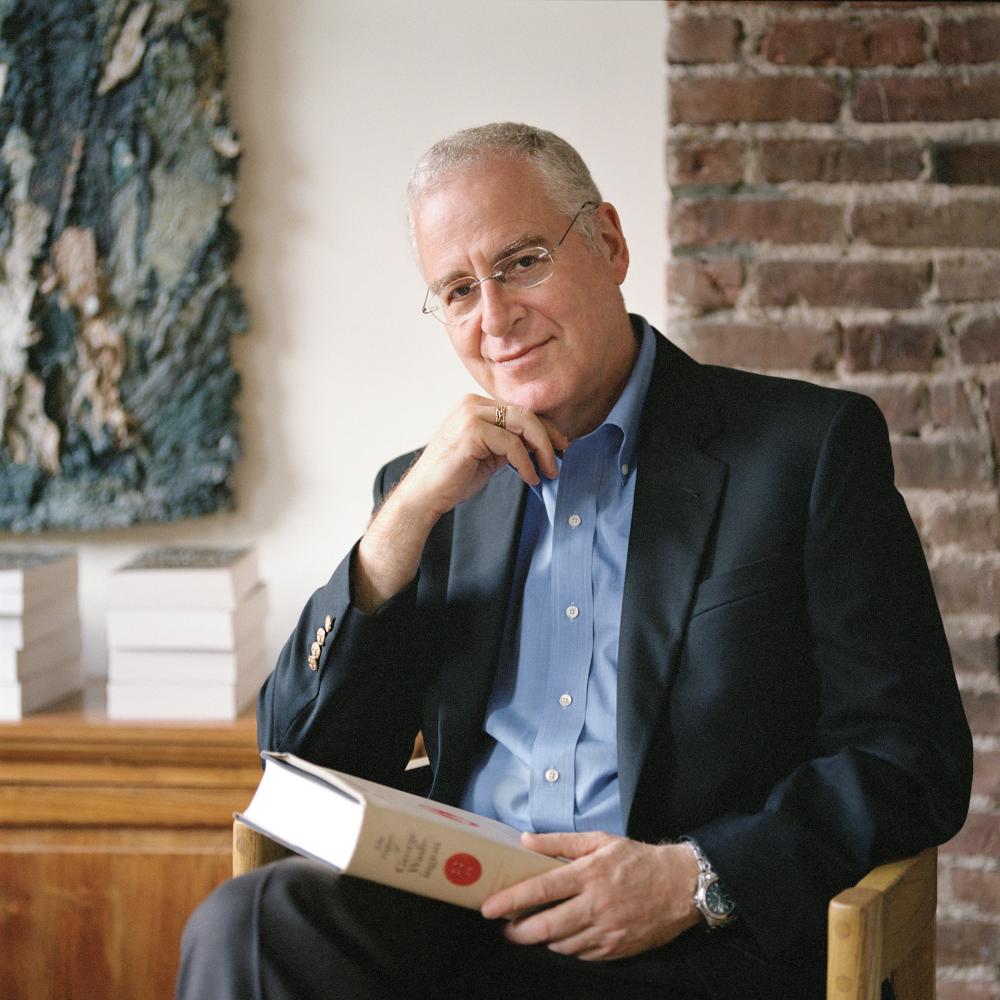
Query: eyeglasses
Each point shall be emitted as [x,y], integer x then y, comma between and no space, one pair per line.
[459,299]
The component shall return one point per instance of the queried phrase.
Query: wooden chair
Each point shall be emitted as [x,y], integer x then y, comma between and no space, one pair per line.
[882,928]
[885,928]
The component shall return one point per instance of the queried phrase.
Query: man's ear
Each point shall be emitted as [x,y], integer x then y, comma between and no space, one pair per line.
[611,240]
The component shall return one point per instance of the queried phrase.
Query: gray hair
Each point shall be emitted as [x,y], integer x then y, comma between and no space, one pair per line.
[564,175]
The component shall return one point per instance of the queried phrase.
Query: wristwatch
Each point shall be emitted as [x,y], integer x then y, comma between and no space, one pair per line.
[714,904]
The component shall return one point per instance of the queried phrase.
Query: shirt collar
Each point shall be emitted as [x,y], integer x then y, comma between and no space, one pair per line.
[627,410]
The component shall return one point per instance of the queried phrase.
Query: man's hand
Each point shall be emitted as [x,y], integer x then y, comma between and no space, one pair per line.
[616,898]
[469,448]
[461,458]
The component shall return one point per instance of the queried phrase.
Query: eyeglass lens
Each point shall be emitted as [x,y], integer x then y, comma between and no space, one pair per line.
[524,269]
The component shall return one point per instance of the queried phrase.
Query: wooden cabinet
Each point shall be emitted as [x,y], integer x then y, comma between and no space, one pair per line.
[110,835]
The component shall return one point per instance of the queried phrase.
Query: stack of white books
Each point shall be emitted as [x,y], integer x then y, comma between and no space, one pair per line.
[39,631]
[186,634]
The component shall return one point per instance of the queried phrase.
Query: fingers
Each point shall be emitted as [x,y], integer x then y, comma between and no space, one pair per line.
[615,898]
[586,943]
[556,926]
[555,885]
[469,448]
[503,443]
[565,845]
[539,435]
[530,894]
[569,928]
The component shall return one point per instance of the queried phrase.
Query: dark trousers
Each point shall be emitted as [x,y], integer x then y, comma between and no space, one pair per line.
[295,930]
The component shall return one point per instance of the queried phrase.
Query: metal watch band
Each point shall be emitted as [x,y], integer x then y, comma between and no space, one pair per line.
[708,882]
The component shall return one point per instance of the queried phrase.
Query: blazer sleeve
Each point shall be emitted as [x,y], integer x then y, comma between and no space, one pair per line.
[355,712]
[892,768]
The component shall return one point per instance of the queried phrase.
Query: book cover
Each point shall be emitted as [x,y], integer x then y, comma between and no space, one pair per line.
[42,655]
[184,578]
[18,698]
[170,628]
[375,832]
[29,578]
[169,699]
[24,630]
[196,666]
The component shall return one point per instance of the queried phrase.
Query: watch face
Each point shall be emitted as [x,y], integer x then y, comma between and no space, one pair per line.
[718,903]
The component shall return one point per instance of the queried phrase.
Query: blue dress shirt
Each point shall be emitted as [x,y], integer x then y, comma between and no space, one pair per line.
[551,760]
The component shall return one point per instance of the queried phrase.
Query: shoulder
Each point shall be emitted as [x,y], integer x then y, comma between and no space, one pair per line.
[798,427]
[710,400]
[749,395]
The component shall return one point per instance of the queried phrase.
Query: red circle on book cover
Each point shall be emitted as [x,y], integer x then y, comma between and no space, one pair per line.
[462,869]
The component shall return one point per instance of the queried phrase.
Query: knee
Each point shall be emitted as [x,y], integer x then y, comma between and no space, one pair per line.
[224,916]
[238,906]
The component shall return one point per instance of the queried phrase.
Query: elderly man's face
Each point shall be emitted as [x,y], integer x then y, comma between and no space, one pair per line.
[564,348]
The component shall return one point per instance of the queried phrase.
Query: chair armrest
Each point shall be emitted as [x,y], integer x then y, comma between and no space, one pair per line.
[885,927]
[253,850]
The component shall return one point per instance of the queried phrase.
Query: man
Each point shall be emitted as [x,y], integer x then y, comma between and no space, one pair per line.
[672,619]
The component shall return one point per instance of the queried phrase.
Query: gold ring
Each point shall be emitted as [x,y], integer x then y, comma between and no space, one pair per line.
[501,417]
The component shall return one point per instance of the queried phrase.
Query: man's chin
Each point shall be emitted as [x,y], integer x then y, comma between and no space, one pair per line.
[532,397]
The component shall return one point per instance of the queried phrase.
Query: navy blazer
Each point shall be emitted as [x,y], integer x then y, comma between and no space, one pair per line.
[785,690]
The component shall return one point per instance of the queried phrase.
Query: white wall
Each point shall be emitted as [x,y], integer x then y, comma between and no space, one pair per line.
[334,100]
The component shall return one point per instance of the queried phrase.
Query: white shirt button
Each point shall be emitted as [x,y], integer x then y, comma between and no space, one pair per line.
[625,469]
[575,520]
[572,612]
[551,775]
[565,700]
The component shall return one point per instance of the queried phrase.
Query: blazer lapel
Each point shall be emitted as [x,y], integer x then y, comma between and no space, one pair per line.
[485,538]
[677,494]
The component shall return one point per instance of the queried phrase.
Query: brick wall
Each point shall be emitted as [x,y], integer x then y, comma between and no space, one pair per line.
[835,215]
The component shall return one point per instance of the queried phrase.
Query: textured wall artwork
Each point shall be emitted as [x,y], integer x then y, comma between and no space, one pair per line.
[117,164]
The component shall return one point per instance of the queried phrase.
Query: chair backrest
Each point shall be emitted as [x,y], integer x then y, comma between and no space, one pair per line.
[884,928]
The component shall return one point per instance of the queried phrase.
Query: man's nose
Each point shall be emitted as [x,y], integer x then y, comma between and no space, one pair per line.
[497,308]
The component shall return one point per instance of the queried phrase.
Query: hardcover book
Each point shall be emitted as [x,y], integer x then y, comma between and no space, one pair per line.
[195,666]
[41,656]
[197,578]
[24,630]
[168,698]
[30,579]
[18,698]
[187,628]
[371,831]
